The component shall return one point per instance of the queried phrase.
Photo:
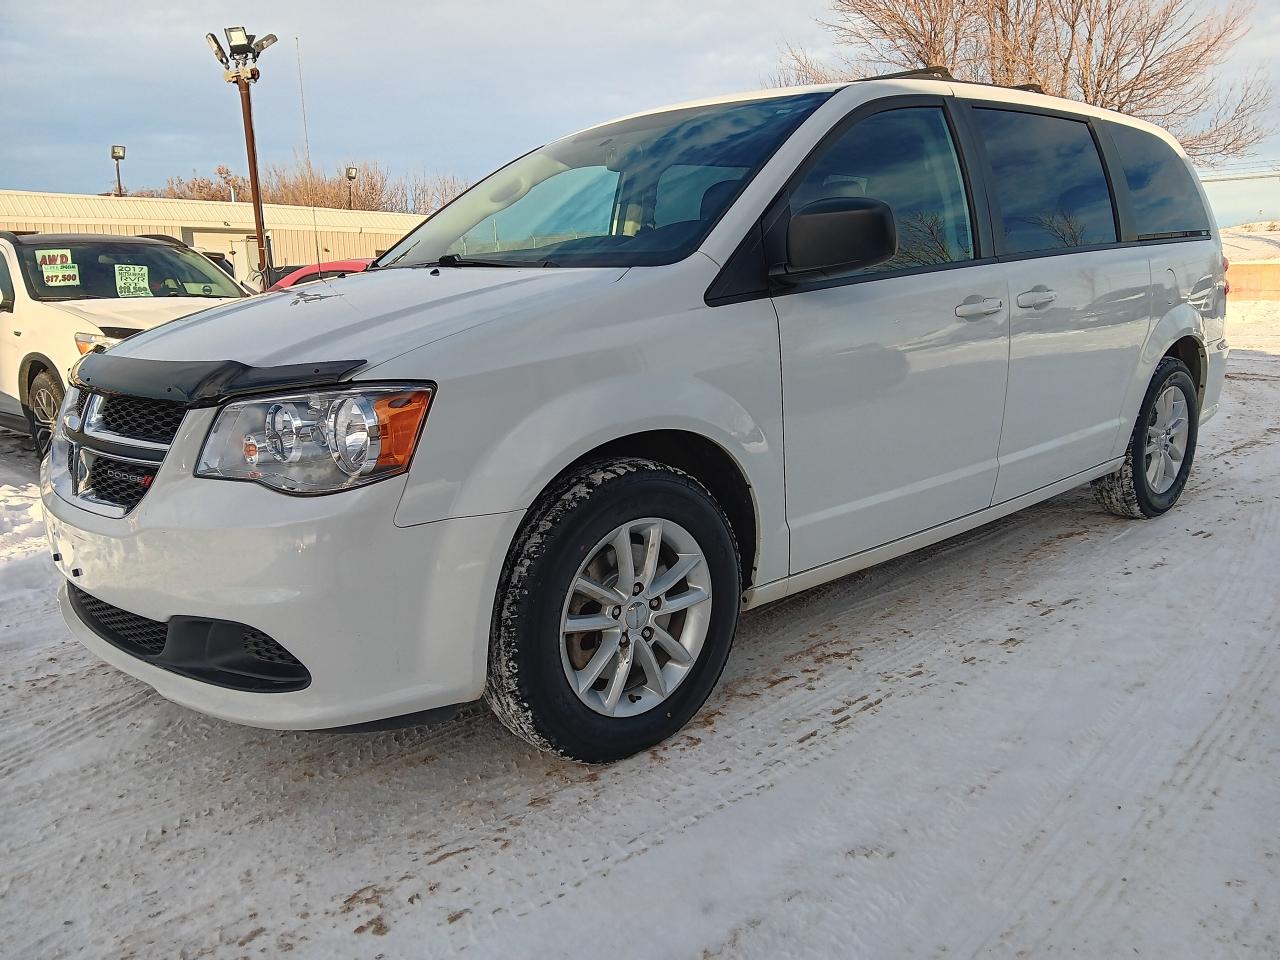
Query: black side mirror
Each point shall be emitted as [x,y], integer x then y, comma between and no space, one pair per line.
[6,302]
[839,234]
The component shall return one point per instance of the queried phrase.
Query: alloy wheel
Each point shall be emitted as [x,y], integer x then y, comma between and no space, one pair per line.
[1167,431]
[44,405]
[635,617]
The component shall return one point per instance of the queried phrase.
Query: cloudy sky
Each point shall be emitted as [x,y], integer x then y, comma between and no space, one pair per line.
[456,87]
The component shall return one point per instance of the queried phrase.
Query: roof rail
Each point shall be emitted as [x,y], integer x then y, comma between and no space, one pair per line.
[932,72]
[938,72]
[164,237]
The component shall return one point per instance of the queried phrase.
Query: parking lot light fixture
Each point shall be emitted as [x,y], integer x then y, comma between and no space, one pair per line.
[351,179]
[117,154]
[241,68]
[239,42]
[216,46]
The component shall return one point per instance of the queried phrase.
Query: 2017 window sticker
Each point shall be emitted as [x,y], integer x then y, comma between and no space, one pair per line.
[132,280]
[57,269]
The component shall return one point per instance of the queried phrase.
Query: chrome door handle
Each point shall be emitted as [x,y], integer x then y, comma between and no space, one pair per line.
[1039,297]
[975,308]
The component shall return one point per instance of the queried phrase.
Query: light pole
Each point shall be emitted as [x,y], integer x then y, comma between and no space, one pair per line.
[117,154]
[245,49]
[351,179]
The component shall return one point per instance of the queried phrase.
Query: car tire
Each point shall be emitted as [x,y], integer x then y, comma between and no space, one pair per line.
[538,683]
[44,400]
[1143,489]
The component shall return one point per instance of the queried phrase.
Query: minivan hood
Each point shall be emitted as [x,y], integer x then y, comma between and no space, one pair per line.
[370,316]
[134,313]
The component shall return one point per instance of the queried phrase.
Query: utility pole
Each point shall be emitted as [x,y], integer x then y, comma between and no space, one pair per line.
[245,50]
[351,179]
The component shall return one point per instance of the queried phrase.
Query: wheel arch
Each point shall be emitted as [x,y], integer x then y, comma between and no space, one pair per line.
[1191,351]
[31,365]
[705,460]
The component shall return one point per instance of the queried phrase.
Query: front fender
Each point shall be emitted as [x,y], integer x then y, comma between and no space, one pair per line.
[515,466]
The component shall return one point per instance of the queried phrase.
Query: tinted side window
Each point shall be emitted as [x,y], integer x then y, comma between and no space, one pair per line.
[1165,200]
[905,158]
[1048,180]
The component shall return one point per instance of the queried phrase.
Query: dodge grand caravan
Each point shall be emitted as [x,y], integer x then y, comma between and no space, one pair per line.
[651,374]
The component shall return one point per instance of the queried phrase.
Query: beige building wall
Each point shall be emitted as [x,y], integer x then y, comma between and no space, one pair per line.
[294,233]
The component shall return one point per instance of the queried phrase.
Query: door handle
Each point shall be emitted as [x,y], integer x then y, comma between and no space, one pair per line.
[974,308]
[1037,297]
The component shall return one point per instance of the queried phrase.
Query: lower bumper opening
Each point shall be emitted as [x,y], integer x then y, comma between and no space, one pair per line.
[221,652]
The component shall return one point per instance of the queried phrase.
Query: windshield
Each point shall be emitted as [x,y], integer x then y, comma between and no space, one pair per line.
[107,269]
[635,192]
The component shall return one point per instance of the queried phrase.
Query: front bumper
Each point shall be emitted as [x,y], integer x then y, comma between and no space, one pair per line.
[387,620]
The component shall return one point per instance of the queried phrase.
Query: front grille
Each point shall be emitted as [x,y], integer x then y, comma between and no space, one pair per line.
[137,418]
[221,652]
[258,644]
[119,482]
[137,635]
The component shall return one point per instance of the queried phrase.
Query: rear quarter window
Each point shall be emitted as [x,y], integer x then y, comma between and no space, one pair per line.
[1162,190]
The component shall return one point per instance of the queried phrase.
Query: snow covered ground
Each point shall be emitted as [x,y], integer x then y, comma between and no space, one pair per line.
[1059,735]
[1252,242]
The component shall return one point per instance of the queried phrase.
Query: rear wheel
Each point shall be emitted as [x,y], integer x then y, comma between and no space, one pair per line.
[619,602]
[44,400]
[1161,449]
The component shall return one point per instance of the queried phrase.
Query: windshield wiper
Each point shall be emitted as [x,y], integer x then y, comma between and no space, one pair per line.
[453,260]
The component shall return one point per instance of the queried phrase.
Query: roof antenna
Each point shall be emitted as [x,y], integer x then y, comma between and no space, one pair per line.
[306,142]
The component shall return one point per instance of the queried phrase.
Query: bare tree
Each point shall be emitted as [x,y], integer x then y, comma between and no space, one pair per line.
[302,184]
[425,193]
[1066,228]
[1153,59]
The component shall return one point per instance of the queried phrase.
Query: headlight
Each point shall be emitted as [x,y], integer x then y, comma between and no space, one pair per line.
[317,442]
[85,342]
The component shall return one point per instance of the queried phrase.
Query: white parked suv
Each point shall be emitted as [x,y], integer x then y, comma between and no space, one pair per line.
[640,379]
[61,295]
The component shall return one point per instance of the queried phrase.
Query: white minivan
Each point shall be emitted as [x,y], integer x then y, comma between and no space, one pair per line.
[658,371]
[63,294]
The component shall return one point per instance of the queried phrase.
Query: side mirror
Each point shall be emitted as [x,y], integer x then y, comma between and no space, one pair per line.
[837,235]
[6,302]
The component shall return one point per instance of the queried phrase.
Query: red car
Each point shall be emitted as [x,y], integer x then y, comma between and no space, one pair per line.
[319,271]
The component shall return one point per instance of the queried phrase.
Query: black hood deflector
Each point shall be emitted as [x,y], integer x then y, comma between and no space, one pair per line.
[202,383]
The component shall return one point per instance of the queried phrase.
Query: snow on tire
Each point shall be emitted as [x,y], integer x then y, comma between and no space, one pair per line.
[656,668]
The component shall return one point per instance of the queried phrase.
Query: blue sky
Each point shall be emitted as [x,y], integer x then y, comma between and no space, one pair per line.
[453,87]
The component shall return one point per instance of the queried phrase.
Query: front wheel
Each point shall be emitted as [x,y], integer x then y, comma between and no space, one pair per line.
[616,612]
[44,400]
[1163,445]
